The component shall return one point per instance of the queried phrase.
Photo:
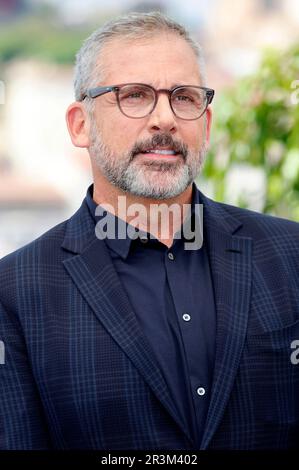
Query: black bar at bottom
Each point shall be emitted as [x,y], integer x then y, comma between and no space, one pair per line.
[138,459]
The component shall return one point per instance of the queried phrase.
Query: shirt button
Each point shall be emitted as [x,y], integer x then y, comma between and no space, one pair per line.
[170,256]
[200,391]
[143,239]
[186,317]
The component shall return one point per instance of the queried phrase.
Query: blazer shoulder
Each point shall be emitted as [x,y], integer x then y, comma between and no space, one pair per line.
[48,240]
[51,241]
[256,222]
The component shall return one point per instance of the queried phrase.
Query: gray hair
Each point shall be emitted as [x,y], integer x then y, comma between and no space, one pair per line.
[88,71]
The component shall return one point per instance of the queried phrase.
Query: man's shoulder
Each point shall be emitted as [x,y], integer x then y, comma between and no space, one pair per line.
[47,241]
[256,224]
[249,215]
[35,261]
[40,263]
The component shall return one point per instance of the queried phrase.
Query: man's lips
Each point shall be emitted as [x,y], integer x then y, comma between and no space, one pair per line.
[160,153]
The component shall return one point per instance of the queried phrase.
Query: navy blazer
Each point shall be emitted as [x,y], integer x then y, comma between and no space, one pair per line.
[79,372]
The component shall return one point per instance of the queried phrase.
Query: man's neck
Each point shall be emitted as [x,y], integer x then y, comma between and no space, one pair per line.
[160,217]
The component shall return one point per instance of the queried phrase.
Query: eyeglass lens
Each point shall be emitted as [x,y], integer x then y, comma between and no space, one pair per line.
[138,101]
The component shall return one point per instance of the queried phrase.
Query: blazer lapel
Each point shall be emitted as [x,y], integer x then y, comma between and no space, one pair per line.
[230,261]
[230,258]
[94,275]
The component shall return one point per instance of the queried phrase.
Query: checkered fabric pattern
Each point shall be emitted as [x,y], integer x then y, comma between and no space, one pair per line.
[79,373]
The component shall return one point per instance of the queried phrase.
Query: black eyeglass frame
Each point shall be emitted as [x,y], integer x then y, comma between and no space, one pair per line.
[102,90]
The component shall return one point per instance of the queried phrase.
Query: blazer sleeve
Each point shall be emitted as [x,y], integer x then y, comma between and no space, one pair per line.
[22,423]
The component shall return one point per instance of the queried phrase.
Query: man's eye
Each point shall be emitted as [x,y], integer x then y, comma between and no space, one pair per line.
[183,98]
[133,95]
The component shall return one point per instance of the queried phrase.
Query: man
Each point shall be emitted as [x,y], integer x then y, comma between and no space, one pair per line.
[141,341]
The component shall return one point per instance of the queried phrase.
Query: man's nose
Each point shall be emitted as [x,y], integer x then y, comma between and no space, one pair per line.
[162,117]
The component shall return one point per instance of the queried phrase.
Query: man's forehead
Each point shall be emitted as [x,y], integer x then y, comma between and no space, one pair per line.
[142,59]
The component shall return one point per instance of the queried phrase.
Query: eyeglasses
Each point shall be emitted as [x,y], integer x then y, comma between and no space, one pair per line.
[137,100]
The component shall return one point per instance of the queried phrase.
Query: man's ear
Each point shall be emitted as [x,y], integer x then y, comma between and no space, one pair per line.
[208,124]
[78,124]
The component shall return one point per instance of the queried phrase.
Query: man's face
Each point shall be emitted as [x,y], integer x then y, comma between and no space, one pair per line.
[118,143]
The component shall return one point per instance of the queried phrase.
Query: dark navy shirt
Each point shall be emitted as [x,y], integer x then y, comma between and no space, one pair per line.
[171,293]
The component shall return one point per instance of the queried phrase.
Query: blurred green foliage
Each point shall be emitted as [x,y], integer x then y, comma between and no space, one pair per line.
[45,40]
[256,123]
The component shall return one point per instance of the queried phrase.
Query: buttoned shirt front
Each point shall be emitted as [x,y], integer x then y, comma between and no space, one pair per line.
[171,293]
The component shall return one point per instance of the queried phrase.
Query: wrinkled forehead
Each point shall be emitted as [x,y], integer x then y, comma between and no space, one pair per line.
[161,58]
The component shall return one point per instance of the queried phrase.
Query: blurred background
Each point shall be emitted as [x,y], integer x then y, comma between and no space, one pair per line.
[252,53]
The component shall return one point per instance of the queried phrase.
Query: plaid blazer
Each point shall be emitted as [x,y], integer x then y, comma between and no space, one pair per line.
[79,373]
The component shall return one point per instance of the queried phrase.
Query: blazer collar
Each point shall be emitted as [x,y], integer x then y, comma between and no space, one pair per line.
[80,229]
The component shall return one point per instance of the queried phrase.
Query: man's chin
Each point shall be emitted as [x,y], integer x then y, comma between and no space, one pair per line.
[157,189]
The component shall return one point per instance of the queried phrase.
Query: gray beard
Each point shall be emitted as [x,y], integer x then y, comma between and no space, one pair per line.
[143,180]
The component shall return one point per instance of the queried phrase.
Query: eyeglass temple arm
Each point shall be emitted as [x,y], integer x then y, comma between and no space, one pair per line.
[98,91]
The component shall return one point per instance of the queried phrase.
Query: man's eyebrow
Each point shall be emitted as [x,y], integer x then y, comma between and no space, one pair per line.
[174,85]
[182,84]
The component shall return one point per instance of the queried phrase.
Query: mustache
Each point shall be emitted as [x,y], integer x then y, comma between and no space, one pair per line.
[157,141]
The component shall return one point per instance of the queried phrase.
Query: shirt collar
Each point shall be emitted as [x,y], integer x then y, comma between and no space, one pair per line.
[122,246]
